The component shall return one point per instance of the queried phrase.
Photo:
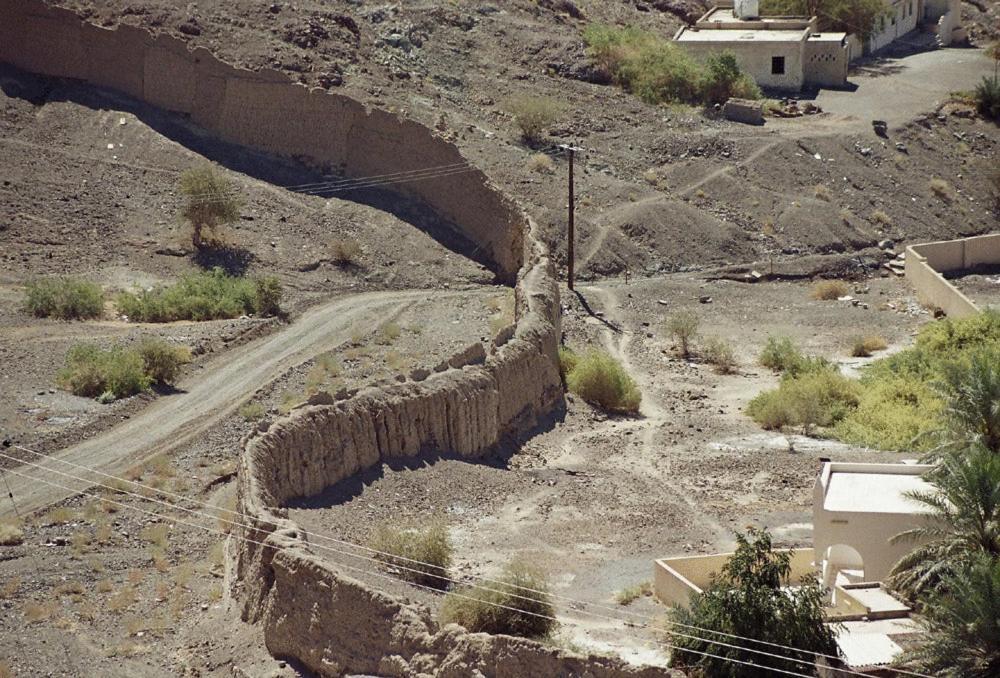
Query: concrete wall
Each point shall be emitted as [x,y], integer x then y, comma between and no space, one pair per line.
[949,24]
[675,580]
[849,536]
[755,58]
[825,63]
[901,17]
[926,262]
[252,108]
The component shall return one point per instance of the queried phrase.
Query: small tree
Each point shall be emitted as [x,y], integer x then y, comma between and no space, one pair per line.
[683,327]
[211,202]
[723,79]
[749,598]
[970,390]
[533,115]
[163,360]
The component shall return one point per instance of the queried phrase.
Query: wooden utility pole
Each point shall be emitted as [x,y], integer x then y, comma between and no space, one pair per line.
[570,255]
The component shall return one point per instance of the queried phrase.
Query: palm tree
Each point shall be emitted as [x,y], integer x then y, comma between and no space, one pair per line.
[971,394]
[963,624]
[963,520]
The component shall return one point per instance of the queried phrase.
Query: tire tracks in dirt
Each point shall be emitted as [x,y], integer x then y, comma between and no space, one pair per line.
[215,391]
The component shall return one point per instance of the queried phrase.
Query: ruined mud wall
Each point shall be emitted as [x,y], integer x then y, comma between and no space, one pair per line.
[264,110]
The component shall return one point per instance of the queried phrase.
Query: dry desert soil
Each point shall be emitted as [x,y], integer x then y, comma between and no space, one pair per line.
[673,207]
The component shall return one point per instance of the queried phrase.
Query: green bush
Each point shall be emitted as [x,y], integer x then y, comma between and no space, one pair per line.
[252,411]
[658,71]
[91,371]
[517,604]
[602,381]
[163,360]
[781,355]
[987,97]
[534,115]
[723,79]
[568,360]
[422,556]
[845,16]
[683,327]
[719,353]
[203,296]
[816,397]
[66,298]
[895,412]
[212,202]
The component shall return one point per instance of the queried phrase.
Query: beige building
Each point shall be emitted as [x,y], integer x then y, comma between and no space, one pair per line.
[780,53]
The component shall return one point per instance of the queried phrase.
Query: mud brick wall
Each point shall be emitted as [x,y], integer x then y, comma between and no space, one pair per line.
[264,110]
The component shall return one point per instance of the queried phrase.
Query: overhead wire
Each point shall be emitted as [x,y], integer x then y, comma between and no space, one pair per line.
[369,572]
[395,562]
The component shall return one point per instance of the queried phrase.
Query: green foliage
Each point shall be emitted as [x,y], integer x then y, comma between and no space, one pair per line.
[895,412]
[534,115]
[683,327]
[65,298]
[209,295]
[602,381]
[780,354]
[91,371]
[987,96]
[847,16]
[815,397]
[962,624]
[421,556]
[211,202]
[747,599]
[163,360]
[658,71]
[252,411]
[964,520]
[723,79]
[719,352]
[518,603]
[970,390]
[568,360]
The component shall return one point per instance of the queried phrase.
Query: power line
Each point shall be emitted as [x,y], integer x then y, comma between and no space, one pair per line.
[391,578]
[395,558]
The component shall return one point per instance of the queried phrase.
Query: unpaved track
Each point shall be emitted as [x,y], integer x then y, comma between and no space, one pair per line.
[214,392]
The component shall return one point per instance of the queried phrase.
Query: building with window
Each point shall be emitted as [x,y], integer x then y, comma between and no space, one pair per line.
[785,53]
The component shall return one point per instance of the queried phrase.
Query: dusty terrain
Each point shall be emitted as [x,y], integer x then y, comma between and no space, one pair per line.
[591,498]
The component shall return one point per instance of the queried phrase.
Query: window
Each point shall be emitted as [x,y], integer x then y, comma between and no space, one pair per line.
[777,65]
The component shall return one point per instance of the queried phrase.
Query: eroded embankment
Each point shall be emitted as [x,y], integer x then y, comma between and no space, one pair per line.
[309,610]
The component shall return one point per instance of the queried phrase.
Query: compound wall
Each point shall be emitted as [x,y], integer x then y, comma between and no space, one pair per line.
[264,110]
[926,262]
[309,609]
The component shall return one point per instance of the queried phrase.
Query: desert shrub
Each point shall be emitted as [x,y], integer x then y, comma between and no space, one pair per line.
[602,381]
[781,355]
[723,79]
[683,327]
[388,333]
[630,594]
[822,192]
[568,360]
[211,202]
[345,252]
[10,534]
[893,413]
[828,290]
[91,371]
[987,96]
[533,115]
[421,555]
[942,189]
[719,353]
[210,295]
[880,217]
[65,298]
[862,347]
[817,397]
[163,360]
[540,163]
[517,604]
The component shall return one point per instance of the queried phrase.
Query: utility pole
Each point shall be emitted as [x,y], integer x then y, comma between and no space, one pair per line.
[571,151]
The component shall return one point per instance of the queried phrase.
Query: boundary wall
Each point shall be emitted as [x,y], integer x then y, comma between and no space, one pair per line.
[309,611]
[254,109]
[925,264]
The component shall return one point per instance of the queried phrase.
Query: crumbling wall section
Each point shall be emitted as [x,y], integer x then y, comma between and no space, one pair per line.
[252,108]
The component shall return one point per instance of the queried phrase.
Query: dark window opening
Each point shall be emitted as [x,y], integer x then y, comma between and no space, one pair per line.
[777,65]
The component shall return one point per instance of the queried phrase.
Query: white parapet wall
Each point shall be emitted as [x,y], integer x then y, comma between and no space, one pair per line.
[926,263]
[675,580]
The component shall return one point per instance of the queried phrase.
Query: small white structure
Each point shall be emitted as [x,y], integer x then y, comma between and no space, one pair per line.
[857,510]
[779,52]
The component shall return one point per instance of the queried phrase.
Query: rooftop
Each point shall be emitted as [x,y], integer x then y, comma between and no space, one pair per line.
[749,34]
[873,492]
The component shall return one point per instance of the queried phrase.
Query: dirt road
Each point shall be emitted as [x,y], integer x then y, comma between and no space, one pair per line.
[206,397]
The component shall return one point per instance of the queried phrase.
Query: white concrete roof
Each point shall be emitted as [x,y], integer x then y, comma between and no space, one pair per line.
[877,600]
[740,35]
[828,37]
[868,643]
[874,493]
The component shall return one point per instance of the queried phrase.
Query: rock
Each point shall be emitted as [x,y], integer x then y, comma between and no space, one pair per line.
[881,128]
[886,244]
[172,251]
[901,147]
[705,300]
[190,27]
